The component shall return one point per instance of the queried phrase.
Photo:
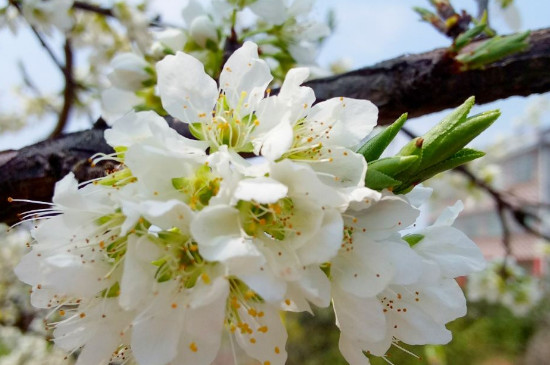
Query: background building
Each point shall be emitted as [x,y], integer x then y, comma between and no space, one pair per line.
[524,176]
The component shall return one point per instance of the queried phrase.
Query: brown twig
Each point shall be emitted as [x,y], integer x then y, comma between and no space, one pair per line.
[108,12]
[68,92]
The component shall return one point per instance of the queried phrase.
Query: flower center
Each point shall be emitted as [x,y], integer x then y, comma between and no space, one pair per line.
[198,188]
[273,220]
[226,126]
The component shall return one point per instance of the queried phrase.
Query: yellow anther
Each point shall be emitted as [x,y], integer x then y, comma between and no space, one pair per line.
[193,347]
[205,278]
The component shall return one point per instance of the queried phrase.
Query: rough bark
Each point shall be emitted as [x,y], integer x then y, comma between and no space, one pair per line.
[430,82]
[418,84]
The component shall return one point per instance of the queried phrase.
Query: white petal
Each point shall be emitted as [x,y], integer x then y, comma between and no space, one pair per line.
[341,168]
[156,331]
[419,195]
[351,119]
[263,190]
[362,198]
[215,224]
[302,180]
[138,272]
[245,72]
[273,11]
[444,302]
[360,319]
[325,243]
[415,327]
[186,91]
[352,352]
[277,141]
[388,215]
[133,128]
[366,270]
[168,214]
[202,331]
[203,29]
[451,249]
[449,215]
[267,339]
[315,286]
[116,102]
[217,232]
[271,288]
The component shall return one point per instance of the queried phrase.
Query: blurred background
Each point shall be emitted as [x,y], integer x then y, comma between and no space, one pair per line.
[506,194]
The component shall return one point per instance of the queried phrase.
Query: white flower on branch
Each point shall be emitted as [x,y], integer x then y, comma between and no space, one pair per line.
[186,239]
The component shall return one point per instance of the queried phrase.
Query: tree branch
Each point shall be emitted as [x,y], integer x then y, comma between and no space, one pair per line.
[418,84]
[429,82]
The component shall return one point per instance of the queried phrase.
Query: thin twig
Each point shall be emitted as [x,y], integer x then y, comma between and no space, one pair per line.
[501,210]
[93,8]
[47,48]
[80,5]
[69,91]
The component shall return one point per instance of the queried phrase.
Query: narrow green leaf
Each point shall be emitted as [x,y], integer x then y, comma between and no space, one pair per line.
[374,147]
[446,145]
[377,180]
[449,122]
[466,38]
[461,157]
[493,50]
[391,166]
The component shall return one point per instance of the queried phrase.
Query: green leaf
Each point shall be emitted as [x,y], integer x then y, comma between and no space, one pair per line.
[374,147]
[493,50]
[466,38]
[461,157]
[448,144]
[378,180]
[391,166]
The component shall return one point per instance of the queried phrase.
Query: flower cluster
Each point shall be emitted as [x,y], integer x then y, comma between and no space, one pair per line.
[506,283]
[187,239]
[285,36]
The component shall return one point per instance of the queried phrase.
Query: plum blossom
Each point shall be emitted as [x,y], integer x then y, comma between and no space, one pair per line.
[48,14]
[186,240]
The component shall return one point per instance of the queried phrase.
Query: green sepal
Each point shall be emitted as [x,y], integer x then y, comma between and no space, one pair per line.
[374,147]
[196,131]
[467,37]
[392,166]
[413,239]
[412,148]
[112,292]
[377,180]
[448,144]
[425,14]
[463,156]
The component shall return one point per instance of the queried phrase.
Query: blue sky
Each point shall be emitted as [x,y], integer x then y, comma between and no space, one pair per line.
[368,31]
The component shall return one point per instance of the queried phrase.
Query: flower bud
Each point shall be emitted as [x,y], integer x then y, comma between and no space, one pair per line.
[129,72]
[203,29]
